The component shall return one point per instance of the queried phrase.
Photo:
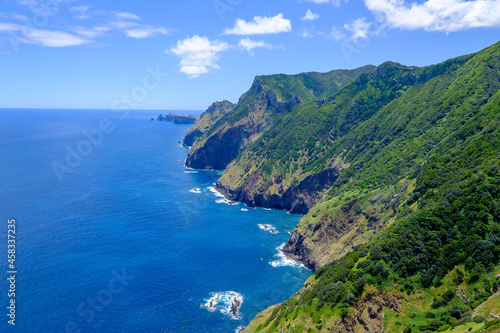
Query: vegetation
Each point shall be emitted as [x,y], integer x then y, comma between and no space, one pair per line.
[406,237]
[225,131]
[438,259]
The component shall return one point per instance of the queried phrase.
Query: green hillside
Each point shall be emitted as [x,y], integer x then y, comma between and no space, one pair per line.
[267,101]
[433,155]
[398,171]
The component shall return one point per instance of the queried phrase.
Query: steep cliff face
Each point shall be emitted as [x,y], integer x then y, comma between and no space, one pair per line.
[297,198]
[415,211]
[229,136]
[207,119]
[222,147]
[332,229]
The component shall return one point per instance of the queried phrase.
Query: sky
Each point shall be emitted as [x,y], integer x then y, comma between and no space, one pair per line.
[184,55]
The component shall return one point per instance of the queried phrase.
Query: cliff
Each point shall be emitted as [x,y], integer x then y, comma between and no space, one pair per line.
[264,104]
[398,171]
[402,233]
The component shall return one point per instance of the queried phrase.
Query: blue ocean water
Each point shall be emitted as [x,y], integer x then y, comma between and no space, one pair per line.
[112,240]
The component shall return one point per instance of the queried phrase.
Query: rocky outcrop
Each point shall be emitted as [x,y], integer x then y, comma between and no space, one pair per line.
[219,149]
[369,312]
[254,114]
[273,101]
[208,118]
[307,242]
[180,119]
[295,198]
[325,235]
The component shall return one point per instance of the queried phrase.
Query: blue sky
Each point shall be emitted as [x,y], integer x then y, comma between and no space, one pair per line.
[183,55]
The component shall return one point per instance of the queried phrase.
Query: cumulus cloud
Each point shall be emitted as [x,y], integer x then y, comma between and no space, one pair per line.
[260,25]
[358,29]
[310,16]
[198,55]
[437,15]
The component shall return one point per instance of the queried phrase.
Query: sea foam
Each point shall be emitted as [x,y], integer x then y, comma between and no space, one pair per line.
[283,260]
[221,197]
[227,303]
[268,227]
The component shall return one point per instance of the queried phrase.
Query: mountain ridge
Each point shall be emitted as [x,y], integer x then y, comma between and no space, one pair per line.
[398,174]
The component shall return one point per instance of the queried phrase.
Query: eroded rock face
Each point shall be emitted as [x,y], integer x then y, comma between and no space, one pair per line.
[273,101]
[296,249]
[369,312]
[215,150]
[219,149]
[296,198]
[190,137]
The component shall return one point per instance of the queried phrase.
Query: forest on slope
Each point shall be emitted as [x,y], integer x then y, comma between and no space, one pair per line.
[398,170]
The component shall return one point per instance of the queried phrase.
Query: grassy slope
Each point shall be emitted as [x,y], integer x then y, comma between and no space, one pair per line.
[443,138]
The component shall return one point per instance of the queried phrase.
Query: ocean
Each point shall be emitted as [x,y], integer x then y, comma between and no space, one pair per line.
[114,234]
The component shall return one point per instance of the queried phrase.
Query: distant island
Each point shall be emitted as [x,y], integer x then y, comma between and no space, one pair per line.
[180,119]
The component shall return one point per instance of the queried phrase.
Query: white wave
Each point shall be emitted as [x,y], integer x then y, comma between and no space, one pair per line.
[283,260]
[215,192]
[268,227]
[267,208]
[244,210]
[226,201]
[227,303]
[190,171]
[222,198]
[195,190]
[239,329]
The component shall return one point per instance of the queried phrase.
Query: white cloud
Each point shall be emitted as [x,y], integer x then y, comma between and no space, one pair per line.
[437,15]
[337,34]
[82,12]
[19,17]
[81,9]
[114,23]
[198,55]
[248,44]
[260,25]
[127,16]
[354,31]
[24,35]
[130,28]
[29,3]
[310,16]
[92,33]
[358,28]
[309,33]
[145,32]
[334,2]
